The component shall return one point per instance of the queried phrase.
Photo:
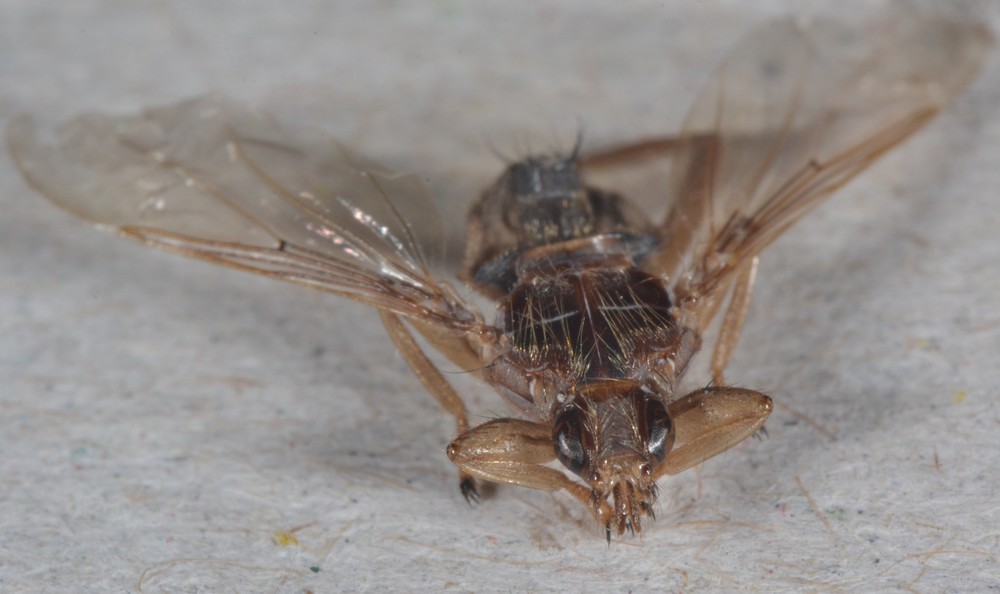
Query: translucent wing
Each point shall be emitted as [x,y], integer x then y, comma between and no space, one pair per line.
[789,117]
[215,180]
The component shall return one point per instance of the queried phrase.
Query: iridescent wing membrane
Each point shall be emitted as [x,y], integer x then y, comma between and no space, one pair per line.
[212,179]
[788,118]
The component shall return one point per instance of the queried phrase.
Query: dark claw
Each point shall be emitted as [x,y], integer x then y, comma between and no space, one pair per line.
[646,507]
[760,433]
[607,534]
[468,487]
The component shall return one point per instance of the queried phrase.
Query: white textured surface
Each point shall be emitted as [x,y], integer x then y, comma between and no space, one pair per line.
[162,423]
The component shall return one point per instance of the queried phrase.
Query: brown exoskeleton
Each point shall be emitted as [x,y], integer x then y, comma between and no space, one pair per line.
[599,310]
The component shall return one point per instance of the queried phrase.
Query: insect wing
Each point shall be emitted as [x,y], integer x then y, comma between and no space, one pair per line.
[212,179]
[788,118]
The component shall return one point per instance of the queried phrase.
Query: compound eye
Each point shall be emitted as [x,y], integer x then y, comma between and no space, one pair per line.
[659,430]
[568,436]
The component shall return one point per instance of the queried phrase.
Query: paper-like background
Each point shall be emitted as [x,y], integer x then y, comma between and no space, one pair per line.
[171,427]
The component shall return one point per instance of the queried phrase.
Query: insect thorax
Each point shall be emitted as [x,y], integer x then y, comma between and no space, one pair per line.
[542,201]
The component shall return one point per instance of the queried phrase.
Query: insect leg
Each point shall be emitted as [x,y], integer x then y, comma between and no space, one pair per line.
[435,383]
[710,421]
[689,164]
[453,346]
[638,151]
[514,452]
[733,320]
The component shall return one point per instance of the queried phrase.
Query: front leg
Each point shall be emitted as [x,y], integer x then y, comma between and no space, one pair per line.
[710,421]
[514,452]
